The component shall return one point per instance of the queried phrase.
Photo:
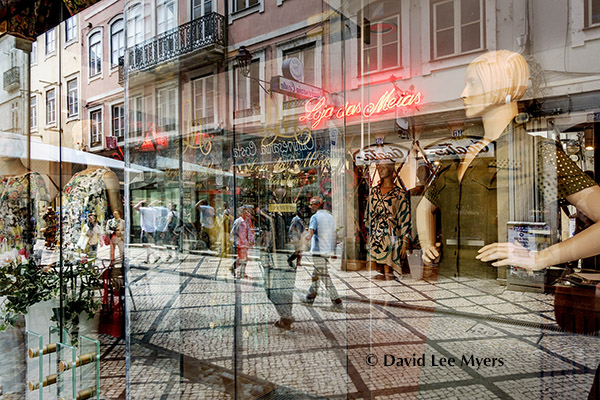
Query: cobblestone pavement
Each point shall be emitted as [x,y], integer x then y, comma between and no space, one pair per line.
[446,339]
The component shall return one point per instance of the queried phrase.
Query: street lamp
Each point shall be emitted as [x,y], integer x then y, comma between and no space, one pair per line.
[244,60]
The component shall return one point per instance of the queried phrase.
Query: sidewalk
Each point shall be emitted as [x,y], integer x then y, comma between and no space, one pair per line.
[182,339]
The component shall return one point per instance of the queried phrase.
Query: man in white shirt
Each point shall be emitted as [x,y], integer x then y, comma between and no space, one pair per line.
[148,219]
[321,233]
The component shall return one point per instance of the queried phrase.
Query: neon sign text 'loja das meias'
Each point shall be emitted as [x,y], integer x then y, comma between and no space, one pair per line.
[317,109]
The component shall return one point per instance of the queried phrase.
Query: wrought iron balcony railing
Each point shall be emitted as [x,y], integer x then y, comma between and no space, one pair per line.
[192,36]
[11,79]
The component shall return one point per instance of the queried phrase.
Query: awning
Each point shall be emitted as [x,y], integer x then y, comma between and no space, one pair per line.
[15,146]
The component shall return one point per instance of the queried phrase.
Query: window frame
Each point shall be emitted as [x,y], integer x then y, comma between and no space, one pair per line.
[120,51]
[113,129]
[14,115]
[73,113]
[203,12]
[161,9]
[97,71]
[588,15]
[160,118]
[51,107]
[379,46]
[258,115]
[137,18]
[134,111]
[73,28]
[50,33]
[457,29]
[194,81]
[33,114]
[234,13]
[92,111]
[33,56]
[292,46]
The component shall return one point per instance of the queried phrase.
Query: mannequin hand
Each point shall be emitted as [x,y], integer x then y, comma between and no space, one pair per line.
[511,254]
[431,253]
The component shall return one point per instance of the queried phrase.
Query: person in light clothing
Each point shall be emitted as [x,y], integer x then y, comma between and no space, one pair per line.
[321,233]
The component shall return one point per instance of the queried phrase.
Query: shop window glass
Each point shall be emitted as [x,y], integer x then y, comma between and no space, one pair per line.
[457,27]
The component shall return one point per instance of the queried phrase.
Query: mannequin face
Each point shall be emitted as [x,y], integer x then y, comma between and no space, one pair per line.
[117,214]
[385,170]
[474,95]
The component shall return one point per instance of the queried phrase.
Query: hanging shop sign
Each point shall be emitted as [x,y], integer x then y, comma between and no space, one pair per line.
[319,111]
[293,88]
[390,153]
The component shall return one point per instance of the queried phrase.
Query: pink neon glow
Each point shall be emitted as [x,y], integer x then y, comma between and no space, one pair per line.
[317,109]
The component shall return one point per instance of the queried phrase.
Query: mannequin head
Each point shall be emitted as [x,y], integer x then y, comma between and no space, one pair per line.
[385,171]
[492,79]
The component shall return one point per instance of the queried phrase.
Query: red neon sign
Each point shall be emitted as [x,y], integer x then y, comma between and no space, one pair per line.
[318,111]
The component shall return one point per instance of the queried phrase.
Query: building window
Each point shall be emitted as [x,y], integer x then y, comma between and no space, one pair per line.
[307,55]
[72,98]
[166,100]
[96,127]
[33,56]
[71,29]
[457,27]
[33,113]
[117,42]
[242,4]
[51,41]
[50,107]
[135,25]
[592,12]
[166,16]
[95,54]
[136,116]
[118,121]
[382,49]
[14,116]
[204,101]
[248,91]
[201,8]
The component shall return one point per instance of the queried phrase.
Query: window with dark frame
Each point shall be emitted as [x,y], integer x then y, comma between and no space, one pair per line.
[95,127]
[203,100]
[593,13]
[72,98]
[51,107]
[117,42]
[243,4]
[457,27]
[118,121]
[95,54]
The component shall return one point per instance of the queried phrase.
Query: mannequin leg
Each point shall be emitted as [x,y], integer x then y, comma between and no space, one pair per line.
[385,270]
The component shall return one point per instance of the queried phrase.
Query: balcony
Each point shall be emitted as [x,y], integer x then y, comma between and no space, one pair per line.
[11,79]
[207,32]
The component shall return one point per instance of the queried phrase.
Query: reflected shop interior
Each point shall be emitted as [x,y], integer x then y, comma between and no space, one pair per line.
[285,199]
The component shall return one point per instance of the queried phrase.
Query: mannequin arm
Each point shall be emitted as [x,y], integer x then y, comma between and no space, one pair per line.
[584,244]
[114,191]
[426,229]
